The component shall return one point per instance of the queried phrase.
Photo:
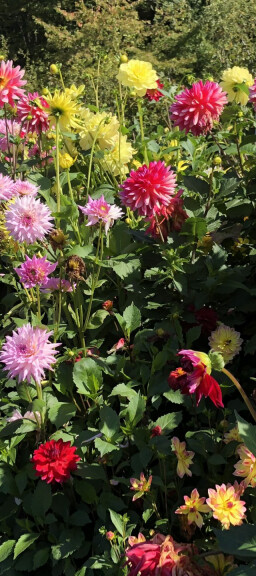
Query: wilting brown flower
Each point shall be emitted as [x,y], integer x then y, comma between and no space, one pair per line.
[57,239]
[75,268]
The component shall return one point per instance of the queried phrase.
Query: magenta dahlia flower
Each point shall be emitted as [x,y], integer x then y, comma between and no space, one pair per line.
[7,188]
[154,93]
[53,284]
[25,188]
[28,353]
[197,107]
[28,220]
[31,112]
[35,271]
[13,128]
[10,83]
[100,211]
[252,92]
[148,188]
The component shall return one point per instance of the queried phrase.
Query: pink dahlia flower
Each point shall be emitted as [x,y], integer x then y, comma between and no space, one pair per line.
[252,92]
[31,112]
[7,188]
[149,188]
[34,271]
[53,284]
[28,220]
[154,93]
[25,188]
[100,211]
[35,416]
[28,353]
[10,83]
[13,128]
[197,107]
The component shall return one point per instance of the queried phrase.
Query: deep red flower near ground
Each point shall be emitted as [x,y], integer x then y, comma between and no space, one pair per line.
[54,460]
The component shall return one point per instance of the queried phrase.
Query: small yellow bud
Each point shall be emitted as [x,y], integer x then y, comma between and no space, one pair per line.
[240,114]
[71,353]
[190,78]
[217,161]
[133,93]
[29,117]
[128,221]
[160,332]
[2,57]
[45,91]
[210,78]
[54,69]
[123,58]
[166,130]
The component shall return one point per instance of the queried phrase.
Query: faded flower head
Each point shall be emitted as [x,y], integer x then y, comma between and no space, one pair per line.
[54,460]
[226,341]
[222,564]
[235,81]
[184,457]
[34,416]
[196,108]
[138,75]
[192,508]
[10,83]
[57,239]
[149,188]
[194,377]
[75,267]
[34,271]
[100,211]
[226,505]
[31,110]
[231,435]
[28,353]
[140,486]
[246,467]
[28,220]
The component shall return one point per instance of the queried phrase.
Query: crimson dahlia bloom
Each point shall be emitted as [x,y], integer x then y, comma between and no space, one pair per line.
[194,376]
[197,107]
[53,461]
[149,188]
[10,83]
[31,112]
[170,218]
[154,93]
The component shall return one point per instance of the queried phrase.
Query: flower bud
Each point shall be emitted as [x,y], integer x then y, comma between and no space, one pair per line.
[66,161]
[160,332]
[123,58]
[240,114]
[210,78]
[2,57]
[217,161]
[110,535]
[107,305]
[133,93]
[217,361]
[54,69]
[45,91]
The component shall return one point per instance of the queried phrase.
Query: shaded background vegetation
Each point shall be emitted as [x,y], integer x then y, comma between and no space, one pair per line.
[179,37]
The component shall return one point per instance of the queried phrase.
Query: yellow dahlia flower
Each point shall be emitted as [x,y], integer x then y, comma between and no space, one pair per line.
[74,92]
[246,467]
[226,505]
[63,108]
[116,160]
[226,341]
[138,75]
[100,125]
[232,78]
[192,507]
[66,161]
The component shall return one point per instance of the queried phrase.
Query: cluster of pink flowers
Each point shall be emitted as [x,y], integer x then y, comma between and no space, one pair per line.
[9,128]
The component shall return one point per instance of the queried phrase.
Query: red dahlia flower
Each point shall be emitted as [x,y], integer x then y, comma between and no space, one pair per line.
[31,112]
[54,461]
[197,107]
[153,93]
[194,376]
[149,188]
[169,218]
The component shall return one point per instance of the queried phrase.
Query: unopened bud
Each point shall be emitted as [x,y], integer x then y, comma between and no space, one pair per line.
[217,160]
[110,535]
[45,91]
[123,58]
[217,361]
[240,114]
[133,93]
[160,332]
[54,69]
[2,57]
[107,305]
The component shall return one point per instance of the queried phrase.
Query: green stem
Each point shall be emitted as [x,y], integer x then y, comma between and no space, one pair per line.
[70,187]
[58,169]
[95,278]
[242,392]
[61,79]
[38,303]
[140,111]
[91,158]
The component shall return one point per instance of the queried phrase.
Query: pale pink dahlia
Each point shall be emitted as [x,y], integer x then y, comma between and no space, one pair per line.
[35,271]
[10,83]
[252,92]
[7,188]
[13,128]
[28,353]
[28,220]
[31,112]
[25,188]
[100,211]
[197,107]
[53,284]
[148,188]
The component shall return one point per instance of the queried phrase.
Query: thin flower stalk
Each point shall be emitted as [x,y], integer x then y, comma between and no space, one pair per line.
[242,392]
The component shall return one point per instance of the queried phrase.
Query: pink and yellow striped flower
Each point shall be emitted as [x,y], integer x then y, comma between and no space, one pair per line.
[192,507]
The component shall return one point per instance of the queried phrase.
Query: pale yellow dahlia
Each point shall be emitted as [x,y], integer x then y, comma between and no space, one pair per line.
[74,92]
[138,75]
[226,341]
[62,108]
[100,125]
[116,160]
[232,78]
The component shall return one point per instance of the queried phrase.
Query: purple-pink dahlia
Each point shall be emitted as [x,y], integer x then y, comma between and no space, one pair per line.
[197,107]
[10,83]
[149,188]
[53,284]
[252,92]
[7,188]
[100,211]
[34,271]
[25,188]
[31,112]
[28,353]
[28,220]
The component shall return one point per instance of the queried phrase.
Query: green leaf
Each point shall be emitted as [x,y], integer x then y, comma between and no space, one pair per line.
[247,432]
[117,520]
[110,424]
[24,542]
[105,447]
[169,421]
[97,319]
[79,518]
[136,409]
[174,396]
[41,499]
[192,335]
[87,377]
[132,318]
[127,268]
[69,542]
[243,571]
[41,557]
[238,540]
[123,390]
[197,185]
[6,549]
[61,413]
[195,227]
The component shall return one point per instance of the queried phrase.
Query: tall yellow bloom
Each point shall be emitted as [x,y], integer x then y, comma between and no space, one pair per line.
[192,507]
[184,457]
[232,78]
[101,126]
[116,160]
[63,108]
[226,505]
[138,75]
[246,467]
